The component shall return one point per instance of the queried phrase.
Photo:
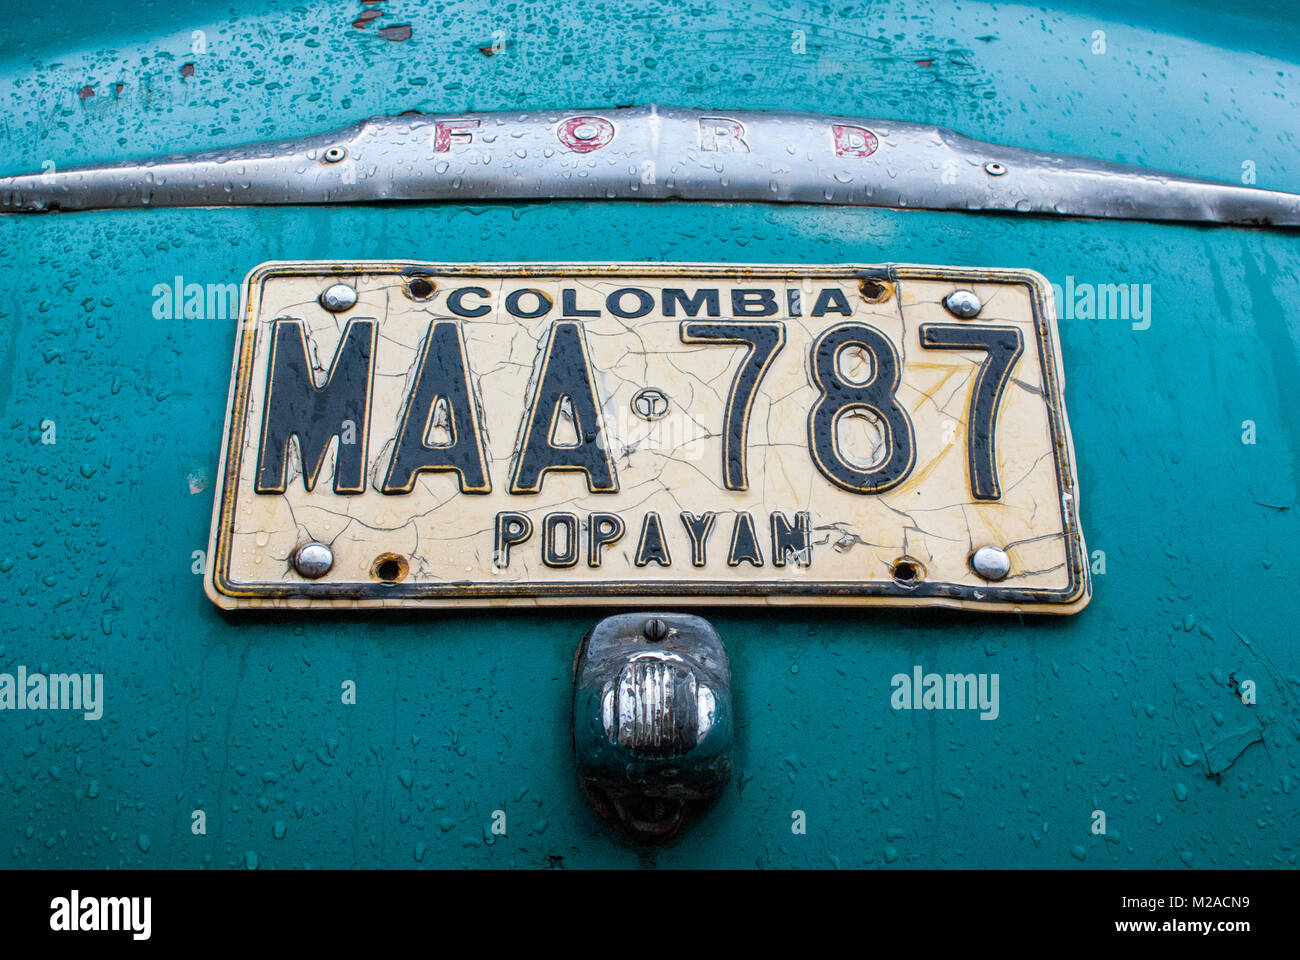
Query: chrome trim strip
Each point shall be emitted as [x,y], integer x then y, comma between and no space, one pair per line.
[651,153]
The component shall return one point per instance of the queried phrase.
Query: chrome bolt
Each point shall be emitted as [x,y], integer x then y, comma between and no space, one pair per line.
[313,560]
[991,563]
[963,304]
[655,629]
[995,169]
[338,297]
[335,154]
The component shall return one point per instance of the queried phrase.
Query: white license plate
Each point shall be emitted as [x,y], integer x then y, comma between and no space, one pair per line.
[486,434]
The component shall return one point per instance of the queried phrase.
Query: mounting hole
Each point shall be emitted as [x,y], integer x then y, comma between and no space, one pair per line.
[420,288]
[875,291]
[906,571]
[335,154]
[389,568]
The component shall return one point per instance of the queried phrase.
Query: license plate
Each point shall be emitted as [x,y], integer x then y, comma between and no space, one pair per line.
[408,434]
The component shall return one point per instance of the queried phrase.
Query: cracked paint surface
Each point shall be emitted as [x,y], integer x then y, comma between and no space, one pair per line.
[669,465]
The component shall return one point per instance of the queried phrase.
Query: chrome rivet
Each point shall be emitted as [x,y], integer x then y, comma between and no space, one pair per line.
[655,629]
[991,563]
[995,169]
[313,560]
[963,304]
[335,154]
[338,297]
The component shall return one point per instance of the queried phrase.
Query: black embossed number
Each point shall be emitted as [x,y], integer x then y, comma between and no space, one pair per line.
[876,396]
[763,341]
[1004,345]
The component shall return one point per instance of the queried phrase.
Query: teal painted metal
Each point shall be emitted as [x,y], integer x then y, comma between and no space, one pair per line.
[1125,708]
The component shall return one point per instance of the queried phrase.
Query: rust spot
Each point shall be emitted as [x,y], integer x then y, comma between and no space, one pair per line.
[118,88]
[924,63]
[875,291]
[397,33]
[907,571]
[187,69]
[365,16]
[86,92]
[492,50]
[419,288]
[389,568]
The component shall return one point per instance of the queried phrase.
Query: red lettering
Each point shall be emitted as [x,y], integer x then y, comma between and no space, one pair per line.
[851,141]
[444,131]
[585,134]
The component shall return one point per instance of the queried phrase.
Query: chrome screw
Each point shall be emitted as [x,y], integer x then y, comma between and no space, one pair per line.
[991,563]
[963,304]
[313,560]
[335,154]
[995,169]
[655,629]
[338,297]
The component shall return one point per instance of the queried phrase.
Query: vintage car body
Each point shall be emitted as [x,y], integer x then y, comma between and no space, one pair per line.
[1170,706]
